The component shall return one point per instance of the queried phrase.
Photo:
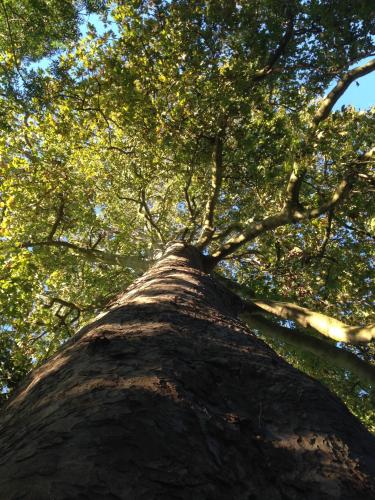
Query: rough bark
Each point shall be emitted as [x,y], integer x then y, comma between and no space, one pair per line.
[168,396]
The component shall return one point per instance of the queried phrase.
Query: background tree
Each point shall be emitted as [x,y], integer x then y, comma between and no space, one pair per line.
[207,122]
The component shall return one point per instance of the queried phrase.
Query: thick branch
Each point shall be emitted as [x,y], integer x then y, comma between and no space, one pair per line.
[92,254]
[251,231]
[296,177]
[335,94]
[193,213]
[290,214]
[305,342]
[190,202]
[58,220]
[300,339]
[327,234]
[293,189]
[325,325]
[278,53]
[235,226]
[216,181]
[341,191]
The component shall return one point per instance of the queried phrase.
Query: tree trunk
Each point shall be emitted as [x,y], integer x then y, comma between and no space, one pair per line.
[168,396]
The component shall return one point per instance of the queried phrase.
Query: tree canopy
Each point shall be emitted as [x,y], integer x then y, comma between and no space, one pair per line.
[212,122]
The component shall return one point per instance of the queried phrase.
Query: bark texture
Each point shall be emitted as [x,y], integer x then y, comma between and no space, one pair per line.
[168,396]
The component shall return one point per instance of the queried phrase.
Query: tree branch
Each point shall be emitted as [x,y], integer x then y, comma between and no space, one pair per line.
[330,100]
[92,254]
[296,178]
[302,340]
[59,217]
[190,202]
[250,232]
[149,217]
[341,191]
[327,235]
[193,213]
[70,306]
[235,226]
[278,53]
[293,189]
[288,215]
[216,181]
[305,342]
[325,325]
[12,42]
[358,230]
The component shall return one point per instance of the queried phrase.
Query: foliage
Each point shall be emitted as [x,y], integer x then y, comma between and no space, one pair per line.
[182,120]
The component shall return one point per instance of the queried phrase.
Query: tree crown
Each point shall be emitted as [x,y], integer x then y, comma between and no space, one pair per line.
[210,122]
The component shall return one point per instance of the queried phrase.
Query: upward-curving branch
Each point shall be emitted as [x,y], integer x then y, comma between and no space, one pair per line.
[325,325]
[216,181]
[334,95]
[304,342]
[294,212]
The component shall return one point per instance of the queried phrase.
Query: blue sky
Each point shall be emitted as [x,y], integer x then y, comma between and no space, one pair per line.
[361,96]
